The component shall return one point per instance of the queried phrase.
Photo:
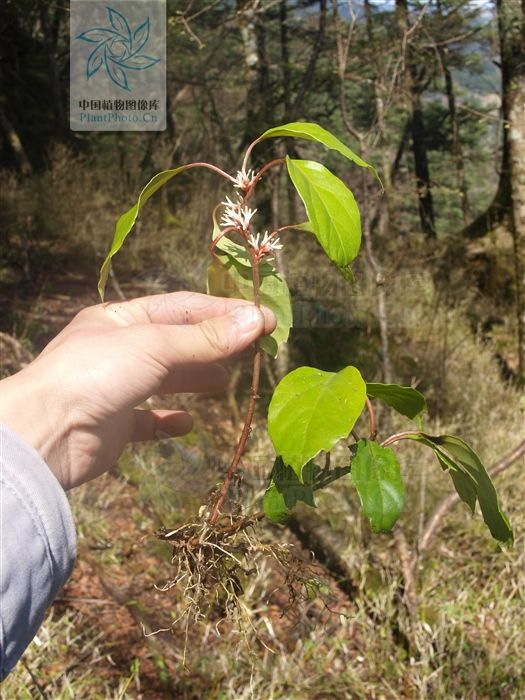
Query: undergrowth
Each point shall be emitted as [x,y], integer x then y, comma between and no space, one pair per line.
[470,641]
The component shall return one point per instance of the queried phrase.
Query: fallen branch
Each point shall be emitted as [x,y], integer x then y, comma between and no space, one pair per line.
[408,562]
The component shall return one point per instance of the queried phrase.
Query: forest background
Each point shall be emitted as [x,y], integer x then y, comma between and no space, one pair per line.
[433,94]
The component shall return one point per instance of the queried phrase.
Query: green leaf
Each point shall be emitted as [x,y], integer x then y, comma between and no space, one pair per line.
[286,490]
[305,226]
[128,219]
[405,400]
[377,478]
[326,477]
[274,505]
[314,132]
[331,208]
[311,410]
[471,480]
[229,276]
[234,250]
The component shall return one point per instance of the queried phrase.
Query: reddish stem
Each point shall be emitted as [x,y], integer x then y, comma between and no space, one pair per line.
[223,233]
[286,228]
[229,529]
[214,168]
[371,415]
[254,389]
[262,171]
[248,153]
[406,435]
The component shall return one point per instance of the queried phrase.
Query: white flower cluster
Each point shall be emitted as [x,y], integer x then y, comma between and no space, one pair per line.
[267,245]
[237,215]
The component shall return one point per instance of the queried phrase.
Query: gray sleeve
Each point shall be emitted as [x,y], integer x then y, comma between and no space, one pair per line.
[37,544]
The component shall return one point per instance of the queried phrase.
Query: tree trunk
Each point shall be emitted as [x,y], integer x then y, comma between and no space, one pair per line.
[310,69]
[456,139]
[511,19]
[15,144]
[386,209]
[50,30]
[257,75]
[287,99]
[499,213]
[424,192]
[457,147]
[413,76]
[343,45]
[285,59]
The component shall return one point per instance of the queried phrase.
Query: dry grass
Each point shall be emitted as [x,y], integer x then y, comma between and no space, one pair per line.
[67,659]
[469,639]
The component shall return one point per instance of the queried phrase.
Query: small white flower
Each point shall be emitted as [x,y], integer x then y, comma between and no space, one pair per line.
[254,241]
[267,245]
[235,214]
[243,179]
[271,243]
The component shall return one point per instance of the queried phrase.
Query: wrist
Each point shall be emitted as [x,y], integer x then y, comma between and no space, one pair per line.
[32,412]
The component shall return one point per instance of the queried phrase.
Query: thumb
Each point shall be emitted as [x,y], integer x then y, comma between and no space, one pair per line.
[211,340]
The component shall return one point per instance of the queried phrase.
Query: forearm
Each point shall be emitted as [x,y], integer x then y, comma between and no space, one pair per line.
[38,545]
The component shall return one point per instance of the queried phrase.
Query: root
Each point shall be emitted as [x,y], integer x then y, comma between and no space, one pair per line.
[211,562]
[214,563]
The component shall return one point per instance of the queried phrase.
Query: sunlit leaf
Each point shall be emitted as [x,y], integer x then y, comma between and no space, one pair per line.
[404,399]
[128,219]
[314,132]
[305,226]
[377,478]
[311,410]
[331,208]
[231,276]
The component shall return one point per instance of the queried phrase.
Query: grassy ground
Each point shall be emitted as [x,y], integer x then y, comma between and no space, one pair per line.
[469,637]
[469,634]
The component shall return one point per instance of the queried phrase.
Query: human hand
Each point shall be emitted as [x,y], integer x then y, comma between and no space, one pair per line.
[76,403]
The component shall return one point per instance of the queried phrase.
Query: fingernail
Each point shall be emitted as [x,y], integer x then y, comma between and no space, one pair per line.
[248,318]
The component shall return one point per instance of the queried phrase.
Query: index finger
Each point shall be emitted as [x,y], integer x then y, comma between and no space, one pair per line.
[176,308]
